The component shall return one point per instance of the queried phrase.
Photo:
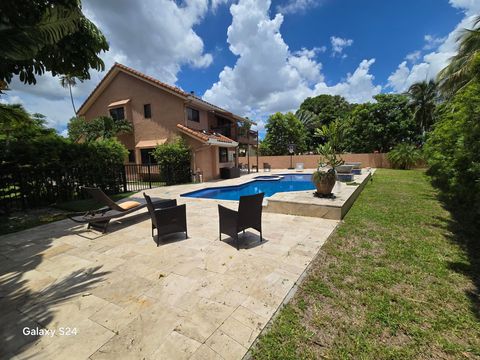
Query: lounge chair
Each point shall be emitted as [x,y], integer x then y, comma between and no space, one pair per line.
[299,167]
[168,219]
[249,215]
[267,167]
[99,219]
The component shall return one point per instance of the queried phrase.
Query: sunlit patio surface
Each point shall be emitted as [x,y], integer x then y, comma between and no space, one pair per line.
[118,295]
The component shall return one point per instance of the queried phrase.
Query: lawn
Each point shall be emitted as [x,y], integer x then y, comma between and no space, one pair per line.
[27,219]
[393,282]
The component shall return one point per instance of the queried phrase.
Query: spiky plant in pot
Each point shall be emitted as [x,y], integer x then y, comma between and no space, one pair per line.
[325,176]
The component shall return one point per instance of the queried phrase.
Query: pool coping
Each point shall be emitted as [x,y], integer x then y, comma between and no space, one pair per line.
[238,186]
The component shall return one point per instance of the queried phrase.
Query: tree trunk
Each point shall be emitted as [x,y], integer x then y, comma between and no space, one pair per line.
[71,98]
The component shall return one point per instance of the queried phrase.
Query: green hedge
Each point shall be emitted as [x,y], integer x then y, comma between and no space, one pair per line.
[44,171]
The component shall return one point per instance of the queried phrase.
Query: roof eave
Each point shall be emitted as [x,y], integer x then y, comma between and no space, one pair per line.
[222,143]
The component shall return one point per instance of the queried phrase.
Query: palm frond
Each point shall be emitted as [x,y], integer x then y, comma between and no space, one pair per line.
[307,118]
[25,42]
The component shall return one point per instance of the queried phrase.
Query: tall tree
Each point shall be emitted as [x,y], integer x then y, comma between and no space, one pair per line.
[465,66]
[47,35]
[325,109]
[423,96]
[282,130]
[379,126]
[68,81]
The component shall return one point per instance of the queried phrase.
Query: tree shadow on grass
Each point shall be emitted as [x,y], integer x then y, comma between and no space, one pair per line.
[464,230]
[28,297]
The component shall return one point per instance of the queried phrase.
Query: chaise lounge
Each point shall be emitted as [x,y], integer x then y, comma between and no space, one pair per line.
[99,219]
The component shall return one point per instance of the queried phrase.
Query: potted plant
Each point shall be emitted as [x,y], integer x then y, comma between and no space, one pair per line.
[326,176]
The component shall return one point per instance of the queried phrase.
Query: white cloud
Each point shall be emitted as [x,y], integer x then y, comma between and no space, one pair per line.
[297,6]
[267,76]
[432,42]
[432,62]
[339,44]
[311,53]
[214,4]
[11,99]
[471,7]
[156,36]
[153,36]
[414,56]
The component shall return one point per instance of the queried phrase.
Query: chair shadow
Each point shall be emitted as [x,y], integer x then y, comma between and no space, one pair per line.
[246,241]
[170,238]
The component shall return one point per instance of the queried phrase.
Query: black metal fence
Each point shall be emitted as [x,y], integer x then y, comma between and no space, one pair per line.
[25,187]
[140,177]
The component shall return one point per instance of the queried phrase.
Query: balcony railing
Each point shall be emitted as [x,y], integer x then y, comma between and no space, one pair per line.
[224,130]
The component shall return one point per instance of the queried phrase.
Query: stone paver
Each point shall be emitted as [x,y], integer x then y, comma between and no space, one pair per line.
[195,298]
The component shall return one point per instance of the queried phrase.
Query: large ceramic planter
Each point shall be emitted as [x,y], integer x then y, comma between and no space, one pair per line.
[325,184]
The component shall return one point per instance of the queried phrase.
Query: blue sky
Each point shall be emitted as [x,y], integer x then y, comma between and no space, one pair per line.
[384,30]
[256,57]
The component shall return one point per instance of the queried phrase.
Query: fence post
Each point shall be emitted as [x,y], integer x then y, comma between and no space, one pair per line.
[124,178]
[149,177]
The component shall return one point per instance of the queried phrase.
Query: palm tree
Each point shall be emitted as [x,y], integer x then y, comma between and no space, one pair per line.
[69,81]
[464,66]
[307,118]
[423,97]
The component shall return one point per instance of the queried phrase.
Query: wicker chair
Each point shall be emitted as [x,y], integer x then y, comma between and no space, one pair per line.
[249,215]
[169,219]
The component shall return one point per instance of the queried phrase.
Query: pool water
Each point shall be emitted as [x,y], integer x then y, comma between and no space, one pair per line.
[287,182]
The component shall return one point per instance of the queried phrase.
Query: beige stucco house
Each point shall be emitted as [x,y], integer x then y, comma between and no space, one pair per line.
[160,112]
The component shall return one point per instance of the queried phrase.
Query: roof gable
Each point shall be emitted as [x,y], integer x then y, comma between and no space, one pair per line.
[117,67]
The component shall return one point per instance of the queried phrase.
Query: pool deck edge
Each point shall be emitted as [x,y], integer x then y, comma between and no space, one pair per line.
[304,203]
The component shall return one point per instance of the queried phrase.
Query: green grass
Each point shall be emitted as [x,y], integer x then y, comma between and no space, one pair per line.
[24,220]
[391,283]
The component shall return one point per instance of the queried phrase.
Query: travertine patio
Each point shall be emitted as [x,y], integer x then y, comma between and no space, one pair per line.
[186,299]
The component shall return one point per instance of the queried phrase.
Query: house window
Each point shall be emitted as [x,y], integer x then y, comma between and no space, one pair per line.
[193,115]
[131,156]
[147,157]
[117,113]
[147,111]
[223,154]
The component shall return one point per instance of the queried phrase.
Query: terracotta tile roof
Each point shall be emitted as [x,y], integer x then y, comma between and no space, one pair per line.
[152,79]
[206,136]
[159,83]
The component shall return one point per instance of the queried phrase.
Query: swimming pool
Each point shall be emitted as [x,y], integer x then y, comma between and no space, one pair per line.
[267,184]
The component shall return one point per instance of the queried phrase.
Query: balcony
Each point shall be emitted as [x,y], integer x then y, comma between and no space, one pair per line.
[225,130]
[250,138]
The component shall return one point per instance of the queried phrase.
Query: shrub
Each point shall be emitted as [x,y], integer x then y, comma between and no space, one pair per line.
[174,160]
[404,156]
[453,150]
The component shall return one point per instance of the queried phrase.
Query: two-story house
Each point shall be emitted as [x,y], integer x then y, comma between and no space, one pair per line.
[160,112]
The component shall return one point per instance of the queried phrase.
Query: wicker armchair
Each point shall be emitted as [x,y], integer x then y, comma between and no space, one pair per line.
[249,215]
[168,219]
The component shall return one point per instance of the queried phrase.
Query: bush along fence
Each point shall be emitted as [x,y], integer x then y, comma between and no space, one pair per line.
[26,187]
